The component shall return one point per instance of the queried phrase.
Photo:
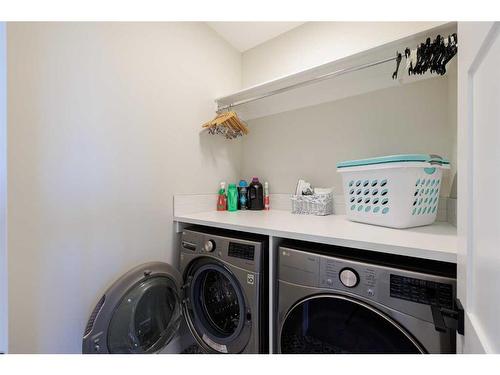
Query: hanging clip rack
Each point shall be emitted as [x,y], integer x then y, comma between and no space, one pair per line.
[430,56]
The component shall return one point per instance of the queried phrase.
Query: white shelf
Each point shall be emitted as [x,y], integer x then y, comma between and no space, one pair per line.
[351,84]
[437,241]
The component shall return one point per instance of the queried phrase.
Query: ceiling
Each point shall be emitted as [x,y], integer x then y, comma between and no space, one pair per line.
[246,35]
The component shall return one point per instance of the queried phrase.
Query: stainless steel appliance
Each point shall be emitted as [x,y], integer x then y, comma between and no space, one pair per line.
[340,300]
[219,293]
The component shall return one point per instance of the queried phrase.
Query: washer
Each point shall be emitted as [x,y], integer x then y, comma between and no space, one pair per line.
[219,294]
[340,300]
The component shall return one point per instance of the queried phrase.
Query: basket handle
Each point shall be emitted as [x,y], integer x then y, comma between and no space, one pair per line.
[435,159]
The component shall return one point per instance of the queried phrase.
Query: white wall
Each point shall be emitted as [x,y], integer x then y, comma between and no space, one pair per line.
[307,143]
[104,127]
[315,43]
[3,191]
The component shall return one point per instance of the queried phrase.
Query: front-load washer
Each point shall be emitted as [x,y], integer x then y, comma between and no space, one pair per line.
[226,290]
[341,300]
[216,301]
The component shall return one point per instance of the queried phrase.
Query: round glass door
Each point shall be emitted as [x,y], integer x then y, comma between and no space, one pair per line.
[217,310]
[146,318]
[219,300]
[341,325]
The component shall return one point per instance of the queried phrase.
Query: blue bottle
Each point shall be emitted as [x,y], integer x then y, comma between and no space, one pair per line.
[243,195]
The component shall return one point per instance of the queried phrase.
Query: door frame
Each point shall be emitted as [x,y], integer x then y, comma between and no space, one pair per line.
[474,340]
[3,192]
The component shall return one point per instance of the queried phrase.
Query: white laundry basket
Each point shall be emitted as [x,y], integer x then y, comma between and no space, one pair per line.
[398,191]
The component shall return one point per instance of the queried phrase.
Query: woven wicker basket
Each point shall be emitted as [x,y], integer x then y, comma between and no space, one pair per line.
[317,204]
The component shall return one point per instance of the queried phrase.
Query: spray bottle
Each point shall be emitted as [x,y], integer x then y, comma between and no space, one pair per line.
[266,196]
[221,199]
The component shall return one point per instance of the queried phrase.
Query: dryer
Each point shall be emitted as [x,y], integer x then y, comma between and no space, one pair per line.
[219,293]
[341,300]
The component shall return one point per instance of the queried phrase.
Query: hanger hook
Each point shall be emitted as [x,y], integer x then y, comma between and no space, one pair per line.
[398,61]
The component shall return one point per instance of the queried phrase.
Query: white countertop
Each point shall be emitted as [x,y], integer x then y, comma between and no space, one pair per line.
[437,241]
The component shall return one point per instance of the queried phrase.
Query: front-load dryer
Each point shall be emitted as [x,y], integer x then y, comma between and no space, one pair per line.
[216,301]
[341,300]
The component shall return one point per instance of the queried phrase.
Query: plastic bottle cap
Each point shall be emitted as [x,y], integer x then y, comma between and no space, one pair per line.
[255,179]
[243,183]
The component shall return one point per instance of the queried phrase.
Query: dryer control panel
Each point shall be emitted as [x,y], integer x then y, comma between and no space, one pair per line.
[399,289]
[341,274]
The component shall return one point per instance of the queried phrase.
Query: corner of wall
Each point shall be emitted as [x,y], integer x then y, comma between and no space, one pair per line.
[3,193]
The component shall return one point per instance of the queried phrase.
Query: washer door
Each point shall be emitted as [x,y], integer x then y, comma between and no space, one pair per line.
[339,324]
[216,311]
[139,313]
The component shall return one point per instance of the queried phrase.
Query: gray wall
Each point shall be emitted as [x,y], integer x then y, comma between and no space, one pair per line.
[307,143]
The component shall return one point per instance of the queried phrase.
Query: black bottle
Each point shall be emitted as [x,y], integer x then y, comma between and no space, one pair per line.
[255,195]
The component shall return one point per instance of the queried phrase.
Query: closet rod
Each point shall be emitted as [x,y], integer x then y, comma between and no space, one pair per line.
[306,83]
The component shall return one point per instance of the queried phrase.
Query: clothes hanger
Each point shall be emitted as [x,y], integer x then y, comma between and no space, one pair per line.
[450,52]
[427,54]
[431,55]
[227,124]
[398,61]
[437,53]
[411,60]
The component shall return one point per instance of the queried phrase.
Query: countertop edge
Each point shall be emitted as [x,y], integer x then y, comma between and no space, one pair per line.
[414,252]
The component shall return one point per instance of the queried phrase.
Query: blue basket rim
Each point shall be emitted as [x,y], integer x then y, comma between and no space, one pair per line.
[402,158]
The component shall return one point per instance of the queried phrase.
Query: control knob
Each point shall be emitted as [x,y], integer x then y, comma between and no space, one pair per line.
[209,246]
[349,277]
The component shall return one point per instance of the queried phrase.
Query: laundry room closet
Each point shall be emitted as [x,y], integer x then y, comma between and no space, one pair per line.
[315,97]
[144,172]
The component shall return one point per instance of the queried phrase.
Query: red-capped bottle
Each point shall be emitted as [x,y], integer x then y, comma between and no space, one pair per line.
[222,199]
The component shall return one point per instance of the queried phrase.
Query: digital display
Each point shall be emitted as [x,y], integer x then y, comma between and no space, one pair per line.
[242,251]
[422,291]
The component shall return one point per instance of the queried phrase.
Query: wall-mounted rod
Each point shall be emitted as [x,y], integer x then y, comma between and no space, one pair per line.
[306,83]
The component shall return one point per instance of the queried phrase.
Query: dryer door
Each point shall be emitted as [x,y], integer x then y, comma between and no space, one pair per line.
[340,325]
[139,313]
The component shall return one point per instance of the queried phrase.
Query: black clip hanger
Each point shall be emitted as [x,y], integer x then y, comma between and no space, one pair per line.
[427,55]
[398,61]
[450,52]
[438,49]
[417,69]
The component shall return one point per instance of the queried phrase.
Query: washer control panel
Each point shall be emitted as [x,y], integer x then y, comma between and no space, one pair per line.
[209,246]
[241,250]
[245,253]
